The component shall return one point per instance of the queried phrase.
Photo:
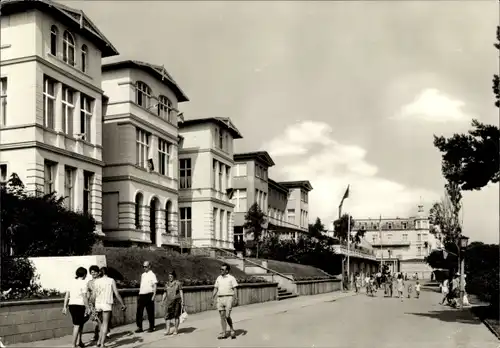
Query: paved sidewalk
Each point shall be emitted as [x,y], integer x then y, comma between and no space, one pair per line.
[125,337]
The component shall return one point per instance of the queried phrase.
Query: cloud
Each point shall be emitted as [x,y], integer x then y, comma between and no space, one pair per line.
[432,105]
[308,151]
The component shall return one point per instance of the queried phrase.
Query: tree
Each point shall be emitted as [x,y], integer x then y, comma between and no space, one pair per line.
[41,226]
[340,229]
[473,160]
[317,229]
[254,222]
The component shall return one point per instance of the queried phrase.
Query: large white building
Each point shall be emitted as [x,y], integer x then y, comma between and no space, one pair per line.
[205,182]
[51,101]
[140,147]
[401,243]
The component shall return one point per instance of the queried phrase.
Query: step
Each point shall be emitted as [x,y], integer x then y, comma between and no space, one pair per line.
[287,296]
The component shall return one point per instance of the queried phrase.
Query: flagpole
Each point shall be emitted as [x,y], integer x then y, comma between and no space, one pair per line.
[381,242]
[348,239]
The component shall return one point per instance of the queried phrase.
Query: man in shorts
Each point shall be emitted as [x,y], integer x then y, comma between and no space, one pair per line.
[226,294]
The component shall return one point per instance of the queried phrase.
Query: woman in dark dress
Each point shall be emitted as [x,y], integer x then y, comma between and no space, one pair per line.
[173,300]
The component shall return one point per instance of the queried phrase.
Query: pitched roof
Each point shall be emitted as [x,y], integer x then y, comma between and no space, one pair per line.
[157,71]
[262,156]
[76,20]
[221,121]
[305,184]
[277,185]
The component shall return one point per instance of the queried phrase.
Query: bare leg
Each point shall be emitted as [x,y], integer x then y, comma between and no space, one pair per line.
[176,326]
[230,323]
[104,328]
[80,333]
[167,326]
[223,323]
[76,329]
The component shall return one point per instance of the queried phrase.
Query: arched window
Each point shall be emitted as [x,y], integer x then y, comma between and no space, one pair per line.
[138,208]
[53,40]
[164,108]
[143,94]
[85,55]
[68,48]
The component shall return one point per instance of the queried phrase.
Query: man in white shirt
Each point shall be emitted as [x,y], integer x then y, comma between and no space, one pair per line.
[147,295]
[226,293]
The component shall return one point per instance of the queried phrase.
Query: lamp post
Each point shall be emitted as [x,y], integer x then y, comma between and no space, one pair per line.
[463,241]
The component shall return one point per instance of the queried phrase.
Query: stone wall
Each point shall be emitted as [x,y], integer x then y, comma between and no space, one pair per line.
[33,320]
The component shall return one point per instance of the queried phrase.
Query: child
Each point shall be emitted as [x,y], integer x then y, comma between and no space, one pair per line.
[417,289]
[410,290]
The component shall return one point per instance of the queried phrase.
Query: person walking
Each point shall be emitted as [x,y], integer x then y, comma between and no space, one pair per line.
[95,316]
[173,300]
[146,300]
[417,289]
[77,302]
[400,287]
[226,294]
[444,291]
[357,282]
[105,287]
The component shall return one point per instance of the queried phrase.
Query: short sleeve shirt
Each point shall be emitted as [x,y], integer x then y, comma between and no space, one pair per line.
[77,291]
[226,285]
[148,281]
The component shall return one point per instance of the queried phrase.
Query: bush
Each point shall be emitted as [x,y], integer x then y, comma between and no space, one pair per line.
[482,269]
[18,274]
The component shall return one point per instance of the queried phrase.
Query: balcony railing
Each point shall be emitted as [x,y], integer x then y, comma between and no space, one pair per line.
[354,251]
[390,243]
[287,224]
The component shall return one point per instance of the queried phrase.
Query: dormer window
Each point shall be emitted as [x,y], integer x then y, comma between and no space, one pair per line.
[53,40]
[143,94]
[85,54]
[68,48]
[164,108]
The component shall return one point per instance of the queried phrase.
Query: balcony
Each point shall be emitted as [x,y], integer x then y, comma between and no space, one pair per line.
[285,224]
[390,243]
[354,251]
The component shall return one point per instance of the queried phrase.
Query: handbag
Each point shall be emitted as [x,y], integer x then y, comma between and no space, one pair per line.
[183,316]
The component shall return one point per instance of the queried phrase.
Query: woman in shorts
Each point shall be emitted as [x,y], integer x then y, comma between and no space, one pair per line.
[104,288]
[77,303]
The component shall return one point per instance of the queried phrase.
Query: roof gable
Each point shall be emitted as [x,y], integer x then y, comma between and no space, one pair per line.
[262,156]
[221,121]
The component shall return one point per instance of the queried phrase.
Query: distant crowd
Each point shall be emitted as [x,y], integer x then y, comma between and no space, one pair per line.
[390,282]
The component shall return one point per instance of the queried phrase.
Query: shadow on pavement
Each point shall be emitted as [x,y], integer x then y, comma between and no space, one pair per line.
[186,330]
[123,339]
[448,315]
[240,332]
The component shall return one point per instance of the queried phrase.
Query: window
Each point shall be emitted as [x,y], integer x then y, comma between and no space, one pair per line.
[228,176]
[138,208]
[49,97]
[87,192]
[303,196]
[221,224]
[403,225]
[221,170]
[240,169]
[257,171]
[163,156]
[405,237]
[221,139]
[186,222]
[68,48]
[419,251]
[142,148]
[215,166]
[3,101]
[69,178]
[53,40]
[85,54]
[240,200]
[374,238]
[424,236]
[185,173]
[389,236]
[419,237]
[228,224]
[214,223]
[85,116]
[143,94]
[389,226]
[164,108]
[68,108]
[3,173]
[291,215]
[216,136]
[49,175]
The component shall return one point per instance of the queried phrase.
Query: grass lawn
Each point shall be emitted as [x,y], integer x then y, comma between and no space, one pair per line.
[298,271]
[125,266]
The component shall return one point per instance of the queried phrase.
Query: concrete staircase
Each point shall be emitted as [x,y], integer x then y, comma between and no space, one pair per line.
[283,294]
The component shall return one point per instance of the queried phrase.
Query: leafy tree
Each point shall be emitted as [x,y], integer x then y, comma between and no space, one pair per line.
[340,229]
[482,269]
[444,216]
[473,160]
[41,226]
[317,229]
[254,222]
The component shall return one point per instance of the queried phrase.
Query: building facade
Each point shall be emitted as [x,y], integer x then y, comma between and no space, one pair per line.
[401,243]
[51,101]
[297,209]
[205,185]
[140,149]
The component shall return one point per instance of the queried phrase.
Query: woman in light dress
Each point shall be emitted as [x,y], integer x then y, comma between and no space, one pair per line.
[400,286]
[104,288]
[173,300]
[77,303]
[444,291]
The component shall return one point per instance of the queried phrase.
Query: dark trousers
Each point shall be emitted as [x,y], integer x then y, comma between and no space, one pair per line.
[145,301]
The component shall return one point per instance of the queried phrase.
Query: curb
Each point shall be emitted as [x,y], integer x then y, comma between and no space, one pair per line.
[486,323]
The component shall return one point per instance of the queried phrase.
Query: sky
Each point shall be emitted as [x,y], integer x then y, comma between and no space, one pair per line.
[339,93]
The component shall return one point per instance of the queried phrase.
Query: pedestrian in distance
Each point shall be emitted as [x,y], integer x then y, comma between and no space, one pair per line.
[105,288]
[357,282]
[400,287]
[225,297]
[173,301]
[410,290]
[367,283]
[147,296]
[417,289]
[76,300]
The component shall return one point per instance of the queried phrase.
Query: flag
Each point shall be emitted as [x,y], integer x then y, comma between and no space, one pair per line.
[346,194]
[380,227]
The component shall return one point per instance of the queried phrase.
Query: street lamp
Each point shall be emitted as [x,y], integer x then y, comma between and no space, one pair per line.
[463,241]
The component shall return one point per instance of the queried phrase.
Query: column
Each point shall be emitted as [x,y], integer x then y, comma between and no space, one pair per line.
[173,169]
[59,179]
[221,225]
[78,189]
[153,149]
[224,227]
[58,117]
[96,199]
[217,223]
[224,178]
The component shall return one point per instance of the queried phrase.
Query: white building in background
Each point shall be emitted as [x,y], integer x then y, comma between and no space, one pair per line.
[51,101]
[205,182]
[140,141]
[401,243]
